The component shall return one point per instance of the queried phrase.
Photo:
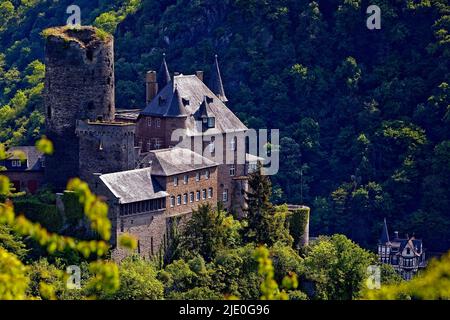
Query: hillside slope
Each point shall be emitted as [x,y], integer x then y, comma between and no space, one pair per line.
[364,114]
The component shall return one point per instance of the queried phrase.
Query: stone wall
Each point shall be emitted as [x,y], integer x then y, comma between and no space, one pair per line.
[105,148]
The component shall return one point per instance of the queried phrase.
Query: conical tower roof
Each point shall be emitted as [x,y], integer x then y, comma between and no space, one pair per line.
[384,233]
[215,83]
[176,108]
[163,74]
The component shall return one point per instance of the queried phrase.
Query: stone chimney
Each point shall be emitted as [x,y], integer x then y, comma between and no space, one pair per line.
[199,75]
[151,85]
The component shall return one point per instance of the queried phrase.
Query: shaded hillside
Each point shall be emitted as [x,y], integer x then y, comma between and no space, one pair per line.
[364,115]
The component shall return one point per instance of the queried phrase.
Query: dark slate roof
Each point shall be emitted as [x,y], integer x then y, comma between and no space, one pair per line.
[133,185]
[216,83]
[192,92]
[163,77]
[384,233]
[32,155]
[169,162]
[176,107]
[413,243]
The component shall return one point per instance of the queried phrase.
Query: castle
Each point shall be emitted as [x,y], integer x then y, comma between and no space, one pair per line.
[151,180]
[407,256]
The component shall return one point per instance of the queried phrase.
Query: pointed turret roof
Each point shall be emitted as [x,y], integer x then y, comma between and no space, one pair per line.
[384,233]
[215,83]
[176,108]
[163,74]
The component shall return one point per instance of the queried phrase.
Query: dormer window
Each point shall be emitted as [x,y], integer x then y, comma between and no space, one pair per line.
[16,163]
[211,122]
[185,102]
[161,100]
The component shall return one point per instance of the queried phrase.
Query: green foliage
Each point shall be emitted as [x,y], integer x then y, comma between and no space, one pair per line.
[73,210]
[269,287]
[35,210]
[297,224]
[94,208]
[362,111]
[13,279]
[137,281]
[208,231]
[432,284]
[12,243]
[266,224]
[337,266]
[45,146]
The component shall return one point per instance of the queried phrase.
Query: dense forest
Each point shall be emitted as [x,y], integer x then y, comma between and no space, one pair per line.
[364,114]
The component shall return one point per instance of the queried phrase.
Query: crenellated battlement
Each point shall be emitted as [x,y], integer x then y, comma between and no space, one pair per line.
[110,129]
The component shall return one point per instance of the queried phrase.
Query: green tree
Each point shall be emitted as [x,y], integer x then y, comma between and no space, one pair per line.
[266,224]
[208,231]
[138,281]
[337,266]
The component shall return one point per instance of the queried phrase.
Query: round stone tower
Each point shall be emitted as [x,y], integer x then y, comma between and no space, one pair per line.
[79,85]
[299,224]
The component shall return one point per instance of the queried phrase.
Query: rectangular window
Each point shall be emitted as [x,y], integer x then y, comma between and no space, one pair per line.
[207,174]
[204,194]
[211,122]
[185,179]
[225,195]
[149,122]
[172,201]
[185,198]
[149,145]
[16,163]
[211,147]
[191,196]
[179,200]
[175,181]
[197,176]
[158,123]
[233,144]
[151,246]
[197,196]
[210,193]
[158,143]
[232,170]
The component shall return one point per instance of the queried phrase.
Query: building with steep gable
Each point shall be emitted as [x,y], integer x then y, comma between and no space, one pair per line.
[405,255]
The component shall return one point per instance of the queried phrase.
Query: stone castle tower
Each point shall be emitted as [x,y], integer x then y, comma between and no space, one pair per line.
[79,89]
[105,147]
